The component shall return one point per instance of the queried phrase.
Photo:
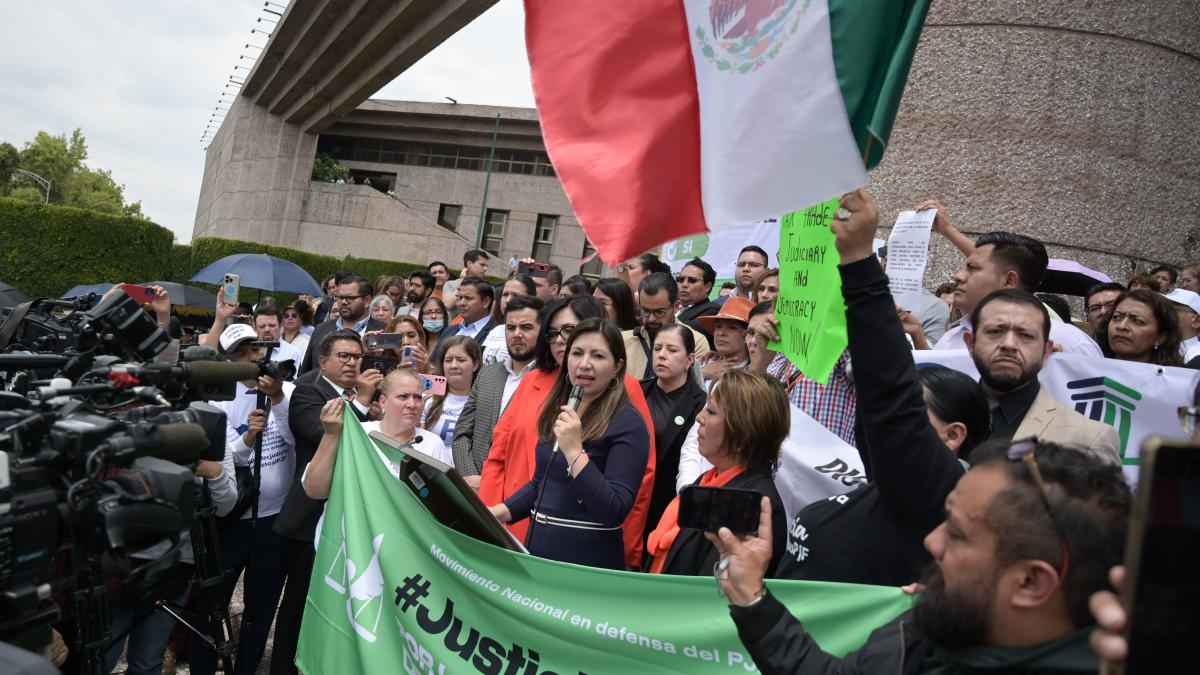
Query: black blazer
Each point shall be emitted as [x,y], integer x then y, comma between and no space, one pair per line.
[691,314]
[668,439]
[693,555]
[319,333]
[453,330]
[298,517]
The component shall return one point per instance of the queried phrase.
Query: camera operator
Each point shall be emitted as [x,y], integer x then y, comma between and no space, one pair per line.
[237,533]
[145,628]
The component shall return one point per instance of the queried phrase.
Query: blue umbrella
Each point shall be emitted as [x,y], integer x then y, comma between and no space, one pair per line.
[262,271]
[98,289]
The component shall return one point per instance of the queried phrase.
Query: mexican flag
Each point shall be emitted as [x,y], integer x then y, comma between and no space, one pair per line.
[666,118]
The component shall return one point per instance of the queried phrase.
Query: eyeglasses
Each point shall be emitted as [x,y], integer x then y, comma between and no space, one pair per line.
[347,357]
[1100,306]
[750,263]
[565,331]
[347,298]
[1023,451]
[1189,417]
[659,313]
[681,279]
[291,315]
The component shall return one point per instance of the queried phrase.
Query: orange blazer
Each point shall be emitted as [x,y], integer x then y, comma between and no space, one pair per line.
[510,461]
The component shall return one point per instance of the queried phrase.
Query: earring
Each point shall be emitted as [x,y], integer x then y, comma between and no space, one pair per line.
[612,384]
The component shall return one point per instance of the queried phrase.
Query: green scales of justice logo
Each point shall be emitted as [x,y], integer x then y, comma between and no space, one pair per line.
[745,34]
[1105,400]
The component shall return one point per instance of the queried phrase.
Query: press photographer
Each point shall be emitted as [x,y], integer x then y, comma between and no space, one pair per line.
[262,445]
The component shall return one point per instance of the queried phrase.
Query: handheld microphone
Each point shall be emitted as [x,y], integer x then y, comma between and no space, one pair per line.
[573,402]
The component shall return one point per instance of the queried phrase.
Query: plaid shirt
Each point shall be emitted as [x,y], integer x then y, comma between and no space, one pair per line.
[834,405]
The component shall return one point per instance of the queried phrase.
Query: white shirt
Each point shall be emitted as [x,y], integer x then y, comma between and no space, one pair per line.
[364,409]
[472,329]
[444,425]
[299,343]
[513,381]
[279,446]
[495,349]
[424,442]
[1191,348]
[691,463]
[1071,339]
[287,350]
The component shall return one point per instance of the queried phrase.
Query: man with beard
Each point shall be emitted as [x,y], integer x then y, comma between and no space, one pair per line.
[1030,532]
[495,385]
[1010,345]
[351,310]
[658,299]
[420,287]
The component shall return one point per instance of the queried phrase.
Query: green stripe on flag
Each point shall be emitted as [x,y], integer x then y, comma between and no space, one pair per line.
[394,591]
[873,46]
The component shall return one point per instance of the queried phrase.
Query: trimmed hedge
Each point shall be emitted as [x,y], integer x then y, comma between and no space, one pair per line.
[49,249]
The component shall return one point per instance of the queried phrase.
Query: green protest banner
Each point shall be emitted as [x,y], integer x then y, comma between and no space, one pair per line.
[811,312]
[394,591]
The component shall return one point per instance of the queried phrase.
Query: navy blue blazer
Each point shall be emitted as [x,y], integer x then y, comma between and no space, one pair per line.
[454,330]
[602,495]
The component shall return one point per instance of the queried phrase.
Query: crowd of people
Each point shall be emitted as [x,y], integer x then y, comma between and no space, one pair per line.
[1000,508]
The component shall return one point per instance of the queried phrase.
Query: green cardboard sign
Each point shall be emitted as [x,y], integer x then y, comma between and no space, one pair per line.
[811,312]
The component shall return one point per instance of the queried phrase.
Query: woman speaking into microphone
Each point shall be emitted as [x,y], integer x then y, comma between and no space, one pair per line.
[590,460]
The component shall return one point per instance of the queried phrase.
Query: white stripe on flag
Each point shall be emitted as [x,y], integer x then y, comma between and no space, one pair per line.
[774,133]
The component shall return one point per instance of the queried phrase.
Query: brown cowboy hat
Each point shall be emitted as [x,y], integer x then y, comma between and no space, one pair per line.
[734,309]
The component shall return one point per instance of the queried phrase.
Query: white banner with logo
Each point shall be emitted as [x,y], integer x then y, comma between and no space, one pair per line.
[1138,399]
[720,249]
[815,464]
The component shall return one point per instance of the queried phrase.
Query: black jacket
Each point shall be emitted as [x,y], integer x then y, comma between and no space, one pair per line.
[452,331]
[693,555]
[669,434]
[874,534]
[319,333]
[691,314]
[298,517]
[778,644]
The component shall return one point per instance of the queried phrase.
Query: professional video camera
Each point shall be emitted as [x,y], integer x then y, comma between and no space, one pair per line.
[90,474]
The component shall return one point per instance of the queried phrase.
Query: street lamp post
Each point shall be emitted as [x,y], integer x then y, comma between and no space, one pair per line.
[487,182]
[37,179]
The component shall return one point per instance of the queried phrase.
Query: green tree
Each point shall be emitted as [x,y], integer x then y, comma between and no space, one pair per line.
[326,169]
[60,160]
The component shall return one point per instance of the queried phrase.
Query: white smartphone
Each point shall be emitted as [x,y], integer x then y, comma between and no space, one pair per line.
[233,287]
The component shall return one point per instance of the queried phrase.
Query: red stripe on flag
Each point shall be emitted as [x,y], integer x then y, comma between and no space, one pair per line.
[616,94]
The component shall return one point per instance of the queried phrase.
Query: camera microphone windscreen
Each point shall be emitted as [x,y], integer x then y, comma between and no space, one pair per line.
[219,372]
[182,442]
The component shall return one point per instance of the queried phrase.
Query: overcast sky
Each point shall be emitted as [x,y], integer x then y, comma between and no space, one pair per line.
[141,78]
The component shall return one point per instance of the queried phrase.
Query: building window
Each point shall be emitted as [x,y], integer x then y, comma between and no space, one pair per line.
[543,237]
[593,268]
[468,158]
[448,216]
[493,231]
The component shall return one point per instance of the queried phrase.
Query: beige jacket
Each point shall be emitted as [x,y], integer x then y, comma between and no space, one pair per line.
[1050,420]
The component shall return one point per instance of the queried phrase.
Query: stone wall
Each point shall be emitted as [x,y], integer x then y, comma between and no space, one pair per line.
[1074,122]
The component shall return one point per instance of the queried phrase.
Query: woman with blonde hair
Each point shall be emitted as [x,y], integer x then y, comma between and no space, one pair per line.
[742,428]
[401,400]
